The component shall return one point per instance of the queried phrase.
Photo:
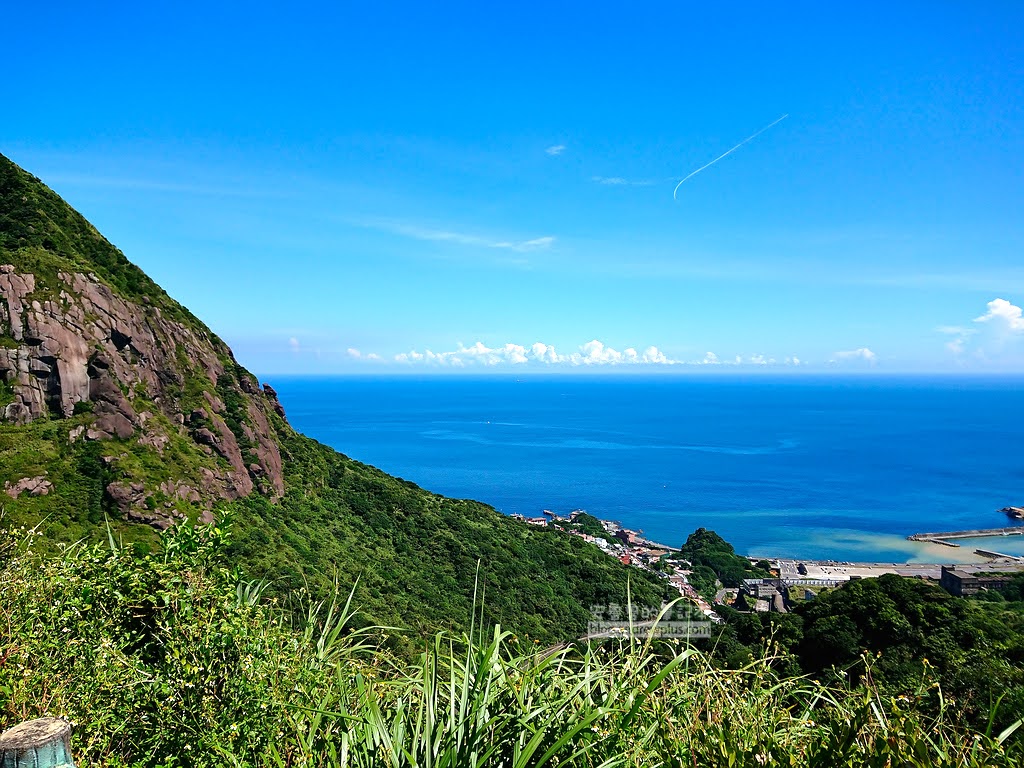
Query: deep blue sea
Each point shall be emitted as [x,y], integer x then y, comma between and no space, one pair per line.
[827,467]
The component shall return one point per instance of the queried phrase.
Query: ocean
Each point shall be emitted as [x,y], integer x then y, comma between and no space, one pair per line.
[830,467]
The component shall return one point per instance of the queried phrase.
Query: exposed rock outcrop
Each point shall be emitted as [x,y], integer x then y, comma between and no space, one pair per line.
[85,336]
[33,486]
[79,347]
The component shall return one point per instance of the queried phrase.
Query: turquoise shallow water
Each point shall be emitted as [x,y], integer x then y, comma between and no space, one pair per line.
[841,468]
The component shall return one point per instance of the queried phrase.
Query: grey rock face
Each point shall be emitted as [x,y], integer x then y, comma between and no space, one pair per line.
[34,486]
[78,347]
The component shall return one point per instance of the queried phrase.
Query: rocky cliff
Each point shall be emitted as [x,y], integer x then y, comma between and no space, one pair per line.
[116,361]
[119,407]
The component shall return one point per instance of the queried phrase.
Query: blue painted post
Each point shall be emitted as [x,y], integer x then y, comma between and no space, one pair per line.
[42,743]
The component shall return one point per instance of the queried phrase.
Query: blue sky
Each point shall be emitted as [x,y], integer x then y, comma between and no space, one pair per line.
[348,187]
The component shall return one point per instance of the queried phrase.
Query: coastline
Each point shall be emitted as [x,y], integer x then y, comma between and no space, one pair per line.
[811,469]
[874,547]
[904,550]
[633,548]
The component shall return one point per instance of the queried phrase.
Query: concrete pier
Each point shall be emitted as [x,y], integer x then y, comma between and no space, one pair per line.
[997,555]
[942,538]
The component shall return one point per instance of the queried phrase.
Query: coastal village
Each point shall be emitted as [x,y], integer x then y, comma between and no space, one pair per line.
[631,548]
[792,580]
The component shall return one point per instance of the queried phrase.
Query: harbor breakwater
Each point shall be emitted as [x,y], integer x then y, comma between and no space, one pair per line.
[944,537]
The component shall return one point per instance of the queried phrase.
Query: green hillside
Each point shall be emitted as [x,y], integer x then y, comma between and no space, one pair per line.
[129,409]
[167,660]
[416,553]
[47,234]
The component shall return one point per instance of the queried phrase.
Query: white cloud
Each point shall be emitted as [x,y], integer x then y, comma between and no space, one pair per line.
[300,350]
[478,352]
[619,181]
[710,358]
[995,338]
[593,353]
[555,150]
[356,354]
[596,353]
[653,355]
[461,238]
[409,357]
[544,353]
[957,345]
[860,355]
[537,244]
[1005,316]
[515,354]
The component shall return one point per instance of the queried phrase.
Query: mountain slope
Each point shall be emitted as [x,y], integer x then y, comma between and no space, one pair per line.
[115,401]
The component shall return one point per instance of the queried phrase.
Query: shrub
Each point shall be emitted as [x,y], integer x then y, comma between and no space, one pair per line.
[167,658]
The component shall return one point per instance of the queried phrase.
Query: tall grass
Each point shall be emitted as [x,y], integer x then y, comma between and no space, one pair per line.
[169,659]
[632,702]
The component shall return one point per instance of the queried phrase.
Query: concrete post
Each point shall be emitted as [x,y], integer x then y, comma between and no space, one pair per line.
[42,743]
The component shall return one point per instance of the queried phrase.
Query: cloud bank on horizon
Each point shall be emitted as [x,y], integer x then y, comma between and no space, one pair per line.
[861,354]
[592,354]
[995,338]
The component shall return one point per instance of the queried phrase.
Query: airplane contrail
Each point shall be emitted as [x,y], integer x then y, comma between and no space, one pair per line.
[725,154]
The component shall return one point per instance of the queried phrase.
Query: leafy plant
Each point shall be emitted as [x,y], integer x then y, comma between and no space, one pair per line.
[168,659]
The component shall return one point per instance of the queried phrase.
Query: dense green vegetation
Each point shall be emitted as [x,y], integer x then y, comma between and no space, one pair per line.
[415,554]
[910,630]
[167,659]
[715,563]
[584,523]
[1014,591]
[75,507]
